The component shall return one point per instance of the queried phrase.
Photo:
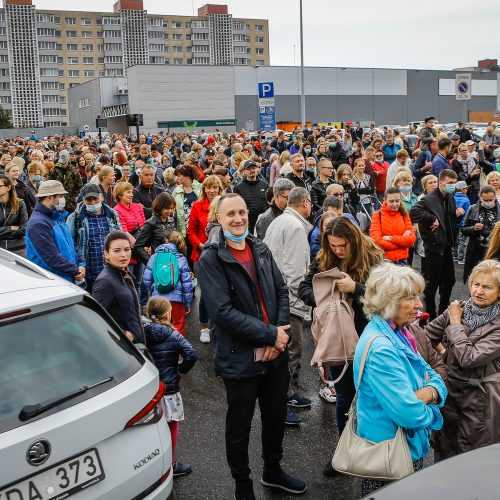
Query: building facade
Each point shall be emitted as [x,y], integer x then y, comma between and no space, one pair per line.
[44,53]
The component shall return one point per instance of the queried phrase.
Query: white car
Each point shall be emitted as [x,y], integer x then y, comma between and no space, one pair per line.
[81,408]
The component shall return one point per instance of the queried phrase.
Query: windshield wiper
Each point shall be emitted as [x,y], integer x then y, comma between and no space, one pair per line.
[30,411]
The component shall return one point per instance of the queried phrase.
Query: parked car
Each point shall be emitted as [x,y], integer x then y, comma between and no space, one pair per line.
[473,475]
[81,408]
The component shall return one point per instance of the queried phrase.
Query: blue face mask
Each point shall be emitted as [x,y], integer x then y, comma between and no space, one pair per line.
[405,189]
[449,188]
[307,151]
[37,178]
[332,145]
[236,239]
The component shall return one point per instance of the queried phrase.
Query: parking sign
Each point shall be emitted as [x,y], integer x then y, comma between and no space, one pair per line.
[463,86]
[266,90]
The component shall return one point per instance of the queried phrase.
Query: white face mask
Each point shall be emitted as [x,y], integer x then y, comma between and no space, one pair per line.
[94,209]
[61,204]
[488,204]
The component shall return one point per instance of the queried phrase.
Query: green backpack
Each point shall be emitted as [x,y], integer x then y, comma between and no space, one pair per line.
[165,272]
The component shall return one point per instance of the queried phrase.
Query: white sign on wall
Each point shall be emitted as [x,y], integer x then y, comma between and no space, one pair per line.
[463,86]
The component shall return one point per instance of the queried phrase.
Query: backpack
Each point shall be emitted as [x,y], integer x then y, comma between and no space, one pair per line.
[333,327]
[165,271]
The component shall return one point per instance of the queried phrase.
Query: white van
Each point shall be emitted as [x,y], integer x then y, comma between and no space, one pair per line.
[81,408]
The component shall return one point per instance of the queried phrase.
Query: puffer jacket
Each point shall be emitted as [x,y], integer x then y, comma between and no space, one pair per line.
[386,222]
[318,192]
[13,240]
[183,291]
[165,345]
[152,235]
[265,219]
[473,405]
[178,194]
[254,194]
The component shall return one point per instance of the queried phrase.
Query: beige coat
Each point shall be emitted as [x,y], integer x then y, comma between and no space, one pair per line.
[472,410]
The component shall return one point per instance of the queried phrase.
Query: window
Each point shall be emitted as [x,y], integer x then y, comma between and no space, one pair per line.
[259,27]
[200,36]
[109,47]
[86,34]
[114,72]
[177,60]
[73,73]
[156,47]
[4,85]
[176,36]
[201,60]
[57,20]
[178,48]
[44,18]
[176,24]
[259,39]
[199,24]
[113,59]
[4,58]
[112,34]
[44,32]
[188,37]
[100,34]
[49,72]
[239,38]
[47,59]
[72,46]
[240,25]
[49,46]
[156,35]
[203,48]
[71,34]
[88,60]
[3,44]
[3,30]
[70,20]
[50,98]
[100,60]
[72,60]
[260,62]
[50,85]
[187,25]
[240,61]
[5,99]
[88,73]
[4,72]
[155,21]
[98,22]
[86,21]
[259,51]
[84,103]
[110,20]
[156,60]
[87,47]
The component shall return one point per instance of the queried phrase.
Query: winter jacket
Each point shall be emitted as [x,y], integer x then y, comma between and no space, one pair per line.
[78,226]
[131,219]
[166,345]
[9,239]
[152,235]
[439,163]
[23,194]
[231,300]
[337,155]
[386,222]
[145,196]
[390,151]
[473,404]
[286,237]
[254,194]
[303,182]
[30,200]
[462,201]
[114,290]
[318,192]
[265,219]
[183,291]
[49,243]
[386,394]
[427,135]
[436,206]
[69,177]
[178,194]
[464,134]
[197,224]
[380,170]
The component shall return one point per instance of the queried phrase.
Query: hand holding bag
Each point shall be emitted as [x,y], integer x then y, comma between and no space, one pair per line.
[386,461]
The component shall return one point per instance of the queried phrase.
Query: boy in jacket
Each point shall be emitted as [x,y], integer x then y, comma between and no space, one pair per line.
[463,204]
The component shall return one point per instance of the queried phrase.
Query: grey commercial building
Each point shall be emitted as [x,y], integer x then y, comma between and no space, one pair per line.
[173,98]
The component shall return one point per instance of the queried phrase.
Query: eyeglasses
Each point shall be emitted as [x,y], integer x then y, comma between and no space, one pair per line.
[283,196]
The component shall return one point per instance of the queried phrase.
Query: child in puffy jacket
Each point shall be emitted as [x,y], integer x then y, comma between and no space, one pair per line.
[181,297]
[166,345]
[462,201]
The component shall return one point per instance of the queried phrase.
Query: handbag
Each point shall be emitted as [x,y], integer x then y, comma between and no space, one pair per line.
[386,461]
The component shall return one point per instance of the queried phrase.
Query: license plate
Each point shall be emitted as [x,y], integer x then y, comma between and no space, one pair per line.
[59,481]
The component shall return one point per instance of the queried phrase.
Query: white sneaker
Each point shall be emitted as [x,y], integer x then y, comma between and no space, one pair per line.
[328,394]
[205,335]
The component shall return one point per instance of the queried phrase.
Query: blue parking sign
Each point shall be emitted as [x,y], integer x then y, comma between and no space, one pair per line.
[266,89]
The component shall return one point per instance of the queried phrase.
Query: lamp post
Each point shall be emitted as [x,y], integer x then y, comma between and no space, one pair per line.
[302,96]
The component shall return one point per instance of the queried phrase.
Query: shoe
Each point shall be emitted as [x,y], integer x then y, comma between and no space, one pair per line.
[280,479]
[328,394]
[244,491]
[461,262]
[205,335]
[298,401]
[291,418]
[329,471]
[181,469]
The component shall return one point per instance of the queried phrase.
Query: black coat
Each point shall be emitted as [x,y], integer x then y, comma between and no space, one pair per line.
[115,291]
[303,182]
[231,300]
[464,134]
[318,193]
[152,234]
[165,345]
[13,240]
[145,196]
[432,206]
[338,156]
[254,194]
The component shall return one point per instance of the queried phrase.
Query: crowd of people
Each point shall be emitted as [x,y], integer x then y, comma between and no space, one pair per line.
[256,224]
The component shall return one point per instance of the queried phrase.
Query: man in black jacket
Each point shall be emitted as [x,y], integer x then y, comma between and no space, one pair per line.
[463,132]
[298,175]
[436,215]
[146,192]
[245,294]
[253,190]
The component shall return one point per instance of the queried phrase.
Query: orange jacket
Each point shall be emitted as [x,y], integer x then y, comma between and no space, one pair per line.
[387,222]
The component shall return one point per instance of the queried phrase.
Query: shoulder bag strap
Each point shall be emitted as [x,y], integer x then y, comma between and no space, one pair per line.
[363,359]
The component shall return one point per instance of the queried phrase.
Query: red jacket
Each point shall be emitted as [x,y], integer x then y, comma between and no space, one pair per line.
[198,221]
[131,218]
[386,222]
[381,178]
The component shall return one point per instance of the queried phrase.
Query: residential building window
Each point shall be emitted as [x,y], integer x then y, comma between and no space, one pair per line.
[178,48]
[240,25]
[177,36]
[73,73]
[112,34]
[109,47]
[177,60]
[240,61]
[71,34]
[49,72]
[5,99]
[86,21]
[188,37]
[100,34]
[259,51]
[42,32]
[113,59]
[156,34]
[45,18]
[259,27]
[50,98]
[239,38]
[88,60]
[72,60]
[260,62]
[238,49]
[199,24]
[176,24]
[48,46]
[156,47]
[100,60]
[201,60]
[86,34]
[4,85]
[199,36]
[110,20]
[4,58]
[87,47]
[259,39]
[156,60]
[88,73]
[70,20]
[202,48]
[4,72]
[155,21]
[3,30]
[47,59]
[72,46]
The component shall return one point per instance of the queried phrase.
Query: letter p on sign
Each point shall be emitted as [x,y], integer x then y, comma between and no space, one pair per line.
[266,89]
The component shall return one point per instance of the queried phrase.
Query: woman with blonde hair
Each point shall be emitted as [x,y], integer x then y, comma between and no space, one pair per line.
[364,185]
[429,183]
[277,166]
[493,251]
[493,179]
[344,176]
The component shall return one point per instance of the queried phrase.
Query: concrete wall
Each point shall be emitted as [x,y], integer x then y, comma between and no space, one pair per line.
[39,132]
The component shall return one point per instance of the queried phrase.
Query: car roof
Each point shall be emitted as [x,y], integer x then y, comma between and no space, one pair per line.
[24,284]
[451,479]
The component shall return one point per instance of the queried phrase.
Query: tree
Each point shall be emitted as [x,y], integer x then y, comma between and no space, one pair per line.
[5,120]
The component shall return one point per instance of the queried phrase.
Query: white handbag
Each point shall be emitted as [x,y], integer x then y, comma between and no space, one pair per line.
[386,461]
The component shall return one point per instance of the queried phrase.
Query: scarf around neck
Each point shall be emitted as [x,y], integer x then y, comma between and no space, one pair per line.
[476,316]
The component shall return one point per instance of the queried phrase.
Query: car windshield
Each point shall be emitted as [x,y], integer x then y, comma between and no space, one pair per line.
[48,355]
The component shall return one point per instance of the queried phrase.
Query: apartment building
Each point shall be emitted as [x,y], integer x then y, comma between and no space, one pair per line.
[43,53]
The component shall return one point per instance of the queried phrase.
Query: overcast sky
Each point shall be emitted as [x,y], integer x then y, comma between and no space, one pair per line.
[423,34]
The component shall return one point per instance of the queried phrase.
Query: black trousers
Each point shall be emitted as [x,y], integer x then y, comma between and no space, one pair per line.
[271,392]
[439,273]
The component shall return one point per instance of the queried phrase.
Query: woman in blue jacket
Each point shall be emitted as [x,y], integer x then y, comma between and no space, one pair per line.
[398,387]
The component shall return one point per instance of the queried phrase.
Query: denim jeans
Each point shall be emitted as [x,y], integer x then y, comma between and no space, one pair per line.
[459,249]
[345,394]
[142,292]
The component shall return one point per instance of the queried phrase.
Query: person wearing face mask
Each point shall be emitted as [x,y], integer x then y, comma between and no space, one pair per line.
[336,153]
[436,216]
[36,171]
[48,241]
[478,225]
[89,225]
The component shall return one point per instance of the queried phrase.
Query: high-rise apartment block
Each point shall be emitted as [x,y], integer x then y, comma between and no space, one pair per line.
[43,53]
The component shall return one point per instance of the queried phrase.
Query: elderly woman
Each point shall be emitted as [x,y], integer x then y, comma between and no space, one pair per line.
[398,388]
[471,332]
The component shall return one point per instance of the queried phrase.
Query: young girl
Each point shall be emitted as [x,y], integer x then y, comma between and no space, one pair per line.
[181,296]
[165,345]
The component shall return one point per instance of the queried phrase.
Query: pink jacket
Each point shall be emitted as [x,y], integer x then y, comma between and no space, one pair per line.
[131,219]
[275,172]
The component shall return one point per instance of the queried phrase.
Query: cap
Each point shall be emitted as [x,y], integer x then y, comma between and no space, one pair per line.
[427,118]
[90,190]
[248,164]
[461,185]
[50,188]
[210,140]
[210,151]
[455,137]
[470,143]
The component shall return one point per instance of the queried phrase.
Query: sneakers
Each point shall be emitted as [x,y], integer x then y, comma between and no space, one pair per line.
[205,335]
[328,394]
[291,418]
[280,479]
[181,469]
[298,401]
[461,262]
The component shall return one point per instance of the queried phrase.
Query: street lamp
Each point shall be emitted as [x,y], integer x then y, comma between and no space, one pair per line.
[302,96]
